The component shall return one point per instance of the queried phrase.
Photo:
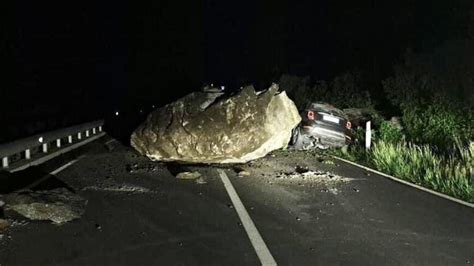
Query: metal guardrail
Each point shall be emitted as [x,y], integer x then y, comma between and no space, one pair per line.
[43,141]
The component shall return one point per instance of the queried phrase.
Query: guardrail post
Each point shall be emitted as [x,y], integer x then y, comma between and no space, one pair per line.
[79,135]
[100,128]
[87,133]
[5,162]
[93,131]
[368,135]
[45,147]
[27,154]
[69,139]
[58,143]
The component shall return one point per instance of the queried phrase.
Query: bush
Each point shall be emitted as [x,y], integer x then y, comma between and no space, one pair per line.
[434,93]
[437,125]
[443,77]
[389,133]
[343,91]
[347,91]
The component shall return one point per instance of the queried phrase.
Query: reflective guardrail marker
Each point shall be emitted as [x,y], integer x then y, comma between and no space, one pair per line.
[368,135]
[79,135]
[5,162]
[45,147]
[87,133]
[27,154]
[58,143]
[69,139]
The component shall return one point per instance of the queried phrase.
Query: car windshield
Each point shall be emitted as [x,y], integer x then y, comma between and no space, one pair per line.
[326,108]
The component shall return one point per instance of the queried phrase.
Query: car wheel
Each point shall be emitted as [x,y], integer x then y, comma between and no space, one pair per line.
[295,134]
[322,146]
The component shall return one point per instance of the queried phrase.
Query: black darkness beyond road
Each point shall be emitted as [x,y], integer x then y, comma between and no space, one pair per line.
[138,213]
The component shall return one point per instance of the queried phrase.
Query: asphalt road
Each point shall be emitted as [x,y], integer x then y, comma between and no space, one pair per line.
[138,213]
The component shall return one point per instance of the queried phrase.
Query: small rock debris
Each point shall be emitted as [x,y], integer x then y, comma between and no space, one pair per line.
[4,224]
[201,181]
[243,173]
[188,175]
[58,205]
[301,170]
[132,168]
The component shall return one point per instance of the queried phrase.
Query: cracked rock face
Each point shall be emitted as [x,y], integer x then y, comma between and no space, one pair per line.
[205,127]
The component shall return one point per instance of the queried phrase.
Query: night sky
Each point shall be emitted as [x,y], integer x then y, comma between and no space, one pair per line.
[107,55]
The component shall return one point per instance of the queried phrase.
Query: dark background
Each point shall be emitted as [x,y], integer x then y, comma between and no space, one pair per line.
[69,62]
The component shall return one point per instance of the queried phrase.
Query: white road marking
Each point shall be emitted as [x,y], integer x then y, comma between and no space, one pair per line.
[468,204]
[54,172]
[60,169]
[109,141]
[258,244]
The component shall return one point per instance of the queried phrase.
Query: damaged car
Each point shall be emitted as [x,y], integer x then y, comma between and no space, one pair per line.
[322,126]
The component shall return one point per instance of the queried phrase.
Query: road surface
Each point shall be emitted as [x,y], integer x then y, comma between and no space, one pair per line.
[138,213]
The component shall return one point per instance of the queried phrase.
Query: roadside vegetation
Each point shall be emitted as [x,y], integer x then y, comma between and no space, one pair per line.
[421,165]
[449,173]
[432,145]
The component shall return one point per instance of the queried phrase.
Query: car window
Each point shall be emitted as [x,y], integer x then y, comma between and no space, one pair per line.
[327,108]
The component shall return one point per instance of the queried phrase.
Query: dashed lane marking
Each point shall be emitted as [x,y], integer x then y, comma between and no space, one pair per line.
[54,172]
[60,169]
[109,141]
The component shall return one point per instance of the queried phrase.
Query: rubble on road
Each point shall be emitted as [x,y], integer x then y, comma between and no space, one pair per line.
[243,173]
[139,168]
[118,188]
[293,166]
[57,205]
[320,176]
[201,181]
[207,127]
[188,175]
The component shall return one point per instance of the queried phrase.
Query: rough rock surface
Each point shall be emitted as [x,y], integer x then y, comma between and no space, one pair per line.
[57,205]
[4,224]
[396,122]
[205,127]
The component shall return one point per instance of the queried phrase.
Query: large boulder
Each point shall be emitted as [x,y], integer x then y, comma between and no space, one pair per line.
[209,127]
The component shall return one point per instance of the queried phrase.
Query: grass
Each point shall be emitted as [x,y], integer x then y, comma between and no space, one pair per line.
[449,174]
